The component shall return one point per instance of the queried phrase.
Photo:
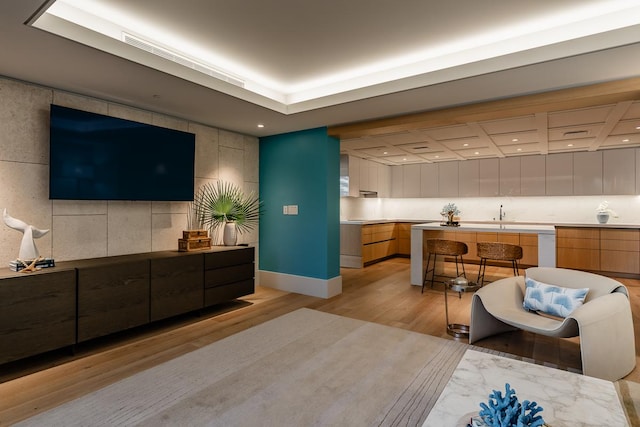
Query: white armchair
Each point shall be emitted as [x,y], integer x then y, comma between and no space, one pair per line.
[603,323]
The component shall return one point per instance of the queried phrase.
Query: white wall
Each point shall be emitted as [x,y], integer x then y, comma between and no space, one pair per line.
[548,209]
[86,229]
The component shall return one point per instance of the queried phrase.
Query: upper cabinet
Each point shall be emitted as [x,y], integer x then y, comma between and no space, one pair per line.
[619,171]
[532,175]
[509,176]
[489,184]
[469,178]
[448,179]
[559,175]
[606,172]
[361,175]
[587,173]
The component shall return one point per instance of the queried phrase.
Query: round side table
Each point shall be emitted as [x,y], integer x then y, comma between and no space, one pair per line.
[459,284]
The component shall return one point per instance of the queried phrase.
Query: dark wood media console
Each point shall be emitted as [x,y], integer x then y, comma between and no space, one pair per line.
[80,300]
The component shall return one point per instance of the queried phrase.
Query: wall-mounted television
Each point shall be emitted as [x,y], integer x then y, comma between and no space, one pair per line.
[97,157]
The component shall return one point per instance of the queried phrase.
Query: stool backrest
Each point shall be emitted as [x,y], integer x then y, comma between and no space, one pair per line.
[499,251]
[446,247]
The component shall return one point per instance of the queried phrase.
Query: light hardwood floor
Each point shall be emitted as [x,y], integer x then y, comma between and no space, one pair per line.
[379,293]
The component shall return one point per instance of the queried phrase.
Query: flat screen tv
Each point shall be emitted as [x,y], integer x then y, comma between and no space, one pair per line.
[97,157]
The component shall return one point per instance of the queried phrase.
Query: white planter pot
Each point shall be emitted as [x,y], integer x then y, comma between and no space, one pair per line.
[230,234]
[603,217]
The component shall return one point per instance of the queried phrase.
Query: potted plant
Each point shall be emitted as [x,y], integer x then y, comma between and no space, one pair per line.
[450,210]
[225,205]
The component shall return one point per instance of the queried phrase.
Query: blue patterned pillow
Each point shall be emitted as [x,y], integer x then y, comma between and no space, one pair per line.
[551,299]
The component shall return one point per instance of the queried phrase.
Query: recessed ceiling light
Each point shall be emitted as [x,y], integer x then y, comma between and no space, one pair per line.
[569,145]
[404,159]
[519,149]
[638,127]
[465,145]
[476,153]
[437,157]
[260,125]
[385,152]
[625,140]
[514,140]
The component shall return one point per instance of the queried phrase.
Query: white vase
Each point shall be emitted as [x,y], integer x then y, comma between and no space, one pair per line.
[230,234]
[603,217]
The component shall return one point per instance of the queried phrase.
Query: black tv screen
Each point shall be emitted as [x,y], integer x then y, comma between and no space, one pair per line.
[97,157]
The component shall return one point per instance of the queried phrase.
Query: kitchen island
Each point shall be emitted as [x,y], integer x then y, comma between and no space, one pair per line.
[546,241]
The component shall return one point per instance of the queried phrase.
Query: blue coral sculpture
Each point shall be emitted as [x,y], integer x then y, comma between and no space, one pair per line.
[506,411]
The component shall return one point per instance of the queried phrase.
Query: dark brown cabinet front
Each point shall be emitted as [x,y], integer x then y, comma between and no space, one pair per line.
[176,285]
[37,313]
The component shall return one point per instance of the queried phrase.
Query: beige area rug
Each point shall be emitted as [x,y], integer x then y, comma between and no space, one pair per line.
[306,368]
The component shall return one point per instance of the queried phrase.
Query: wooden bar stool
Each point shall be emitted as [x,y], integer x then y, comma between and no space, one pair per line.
[435,247]
[498,252]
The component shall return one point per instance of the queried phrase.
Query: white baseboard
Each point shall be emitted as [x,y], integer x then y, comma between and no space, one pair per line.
[322,288]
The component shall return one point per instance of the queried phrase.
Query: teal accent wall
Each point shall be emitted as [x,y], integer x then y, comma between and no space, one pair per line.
[300,168]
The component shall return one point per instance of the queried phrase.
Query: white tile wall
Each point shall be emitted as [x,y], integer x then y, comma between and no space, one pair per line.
[85,229]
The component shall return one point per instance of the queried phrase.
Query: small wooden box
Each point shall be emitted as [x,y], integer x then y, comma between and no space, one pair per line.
[195,234]
[187,245]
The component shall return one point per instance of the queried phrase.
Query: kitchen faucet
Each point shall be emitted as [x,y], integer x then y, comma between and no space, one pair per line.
[502,214]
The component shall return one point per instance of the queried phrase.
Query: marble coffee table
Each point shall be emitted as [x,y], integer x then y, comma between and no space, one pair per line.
[568,399]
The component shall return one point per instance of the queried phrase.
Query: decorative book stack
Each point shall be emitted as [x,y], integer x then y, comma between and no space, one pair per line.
[19,265]
[194,240]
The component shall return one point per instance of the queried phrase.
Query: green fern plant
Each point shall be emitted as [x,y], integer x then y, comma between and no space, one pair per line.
[216,204]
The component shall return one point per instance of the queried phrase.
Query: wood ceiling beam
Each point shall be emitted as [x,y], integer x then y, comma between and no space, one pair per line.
[564,99]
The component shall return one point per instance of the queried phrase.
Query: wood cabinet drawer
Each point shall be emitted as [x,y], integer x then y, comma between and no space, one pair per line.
[228,292]
[564,242]
[620,234]
[511,238]
[620,262]
[228,257]
[620,245]
[486,237]
[580,233]
[225,275]
[529,239]
[578,258]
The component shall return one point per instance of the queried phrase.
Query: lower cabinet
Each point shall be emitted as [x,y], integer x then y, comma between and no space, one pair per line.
[607,250]
[228,275]
[112,296]
[37,313]
[80,300]
[379,241]
[176,285]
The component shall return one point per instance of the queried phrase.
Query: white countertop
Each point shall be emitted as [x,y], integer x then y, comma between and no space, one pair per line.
[506,223]
[491,227]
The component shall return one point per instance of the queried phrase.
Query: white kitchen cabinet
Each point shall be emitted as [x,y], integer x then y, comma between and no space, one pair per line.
[374,173]
[637,171]
[448,179]
[349,176]
[397,181]
[364,175]
[384,180]
[489,183]
[411,177]
[532,175]
[469,178]
[509,176]
[429,180]
[619,168]
[587,173]
[559,174]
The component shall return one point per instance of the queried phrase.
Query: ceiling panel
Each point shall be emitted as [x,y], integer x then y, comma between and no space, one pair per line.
[450,132]
[579,117]
[516,138]
[516,124]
